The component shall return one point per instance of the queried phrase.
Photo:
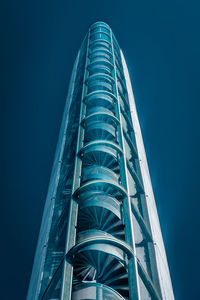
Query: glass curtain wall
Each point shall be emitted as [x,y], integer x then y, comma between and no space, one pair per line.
[96,239]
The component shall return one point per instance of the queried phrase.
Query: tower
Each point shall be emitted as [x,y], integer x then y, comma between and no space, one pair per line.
[100,236]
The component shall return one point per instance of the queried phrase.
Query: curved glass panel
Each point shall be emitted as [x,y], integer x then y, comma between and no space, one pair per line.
[98,172]
[99,98]
[94,291]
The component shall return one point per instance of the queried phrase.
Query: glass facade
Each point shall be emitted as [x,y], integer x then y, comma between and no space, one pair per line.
[100,236]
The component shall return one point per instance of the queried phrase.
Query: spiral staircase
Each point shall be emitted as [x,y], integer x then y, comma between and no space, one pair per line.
[100,255]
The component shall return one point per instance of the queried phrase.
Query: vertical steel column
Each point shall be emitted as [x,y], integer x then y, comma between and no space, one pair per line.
[129,233]
[142,196]
[159,267]
[66,283]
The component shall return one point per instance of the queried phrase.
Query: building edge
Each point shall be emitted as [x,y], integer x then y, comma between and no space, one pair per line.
[161,258]
[34,284]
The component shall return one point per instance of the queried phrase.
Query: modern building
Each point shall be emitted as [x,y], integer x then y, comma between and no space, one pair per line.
[100,236]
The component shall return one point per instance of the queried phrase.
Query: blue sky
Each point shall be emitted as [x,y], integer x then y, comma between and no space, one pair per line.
[160,40]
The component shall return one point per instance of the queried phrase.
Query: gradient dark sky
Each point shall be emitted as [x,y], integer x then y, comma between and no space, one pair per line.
[161,44]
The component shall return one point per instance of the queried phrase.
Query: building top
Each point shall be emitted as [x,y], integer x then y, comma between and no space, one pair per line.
[99,23]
